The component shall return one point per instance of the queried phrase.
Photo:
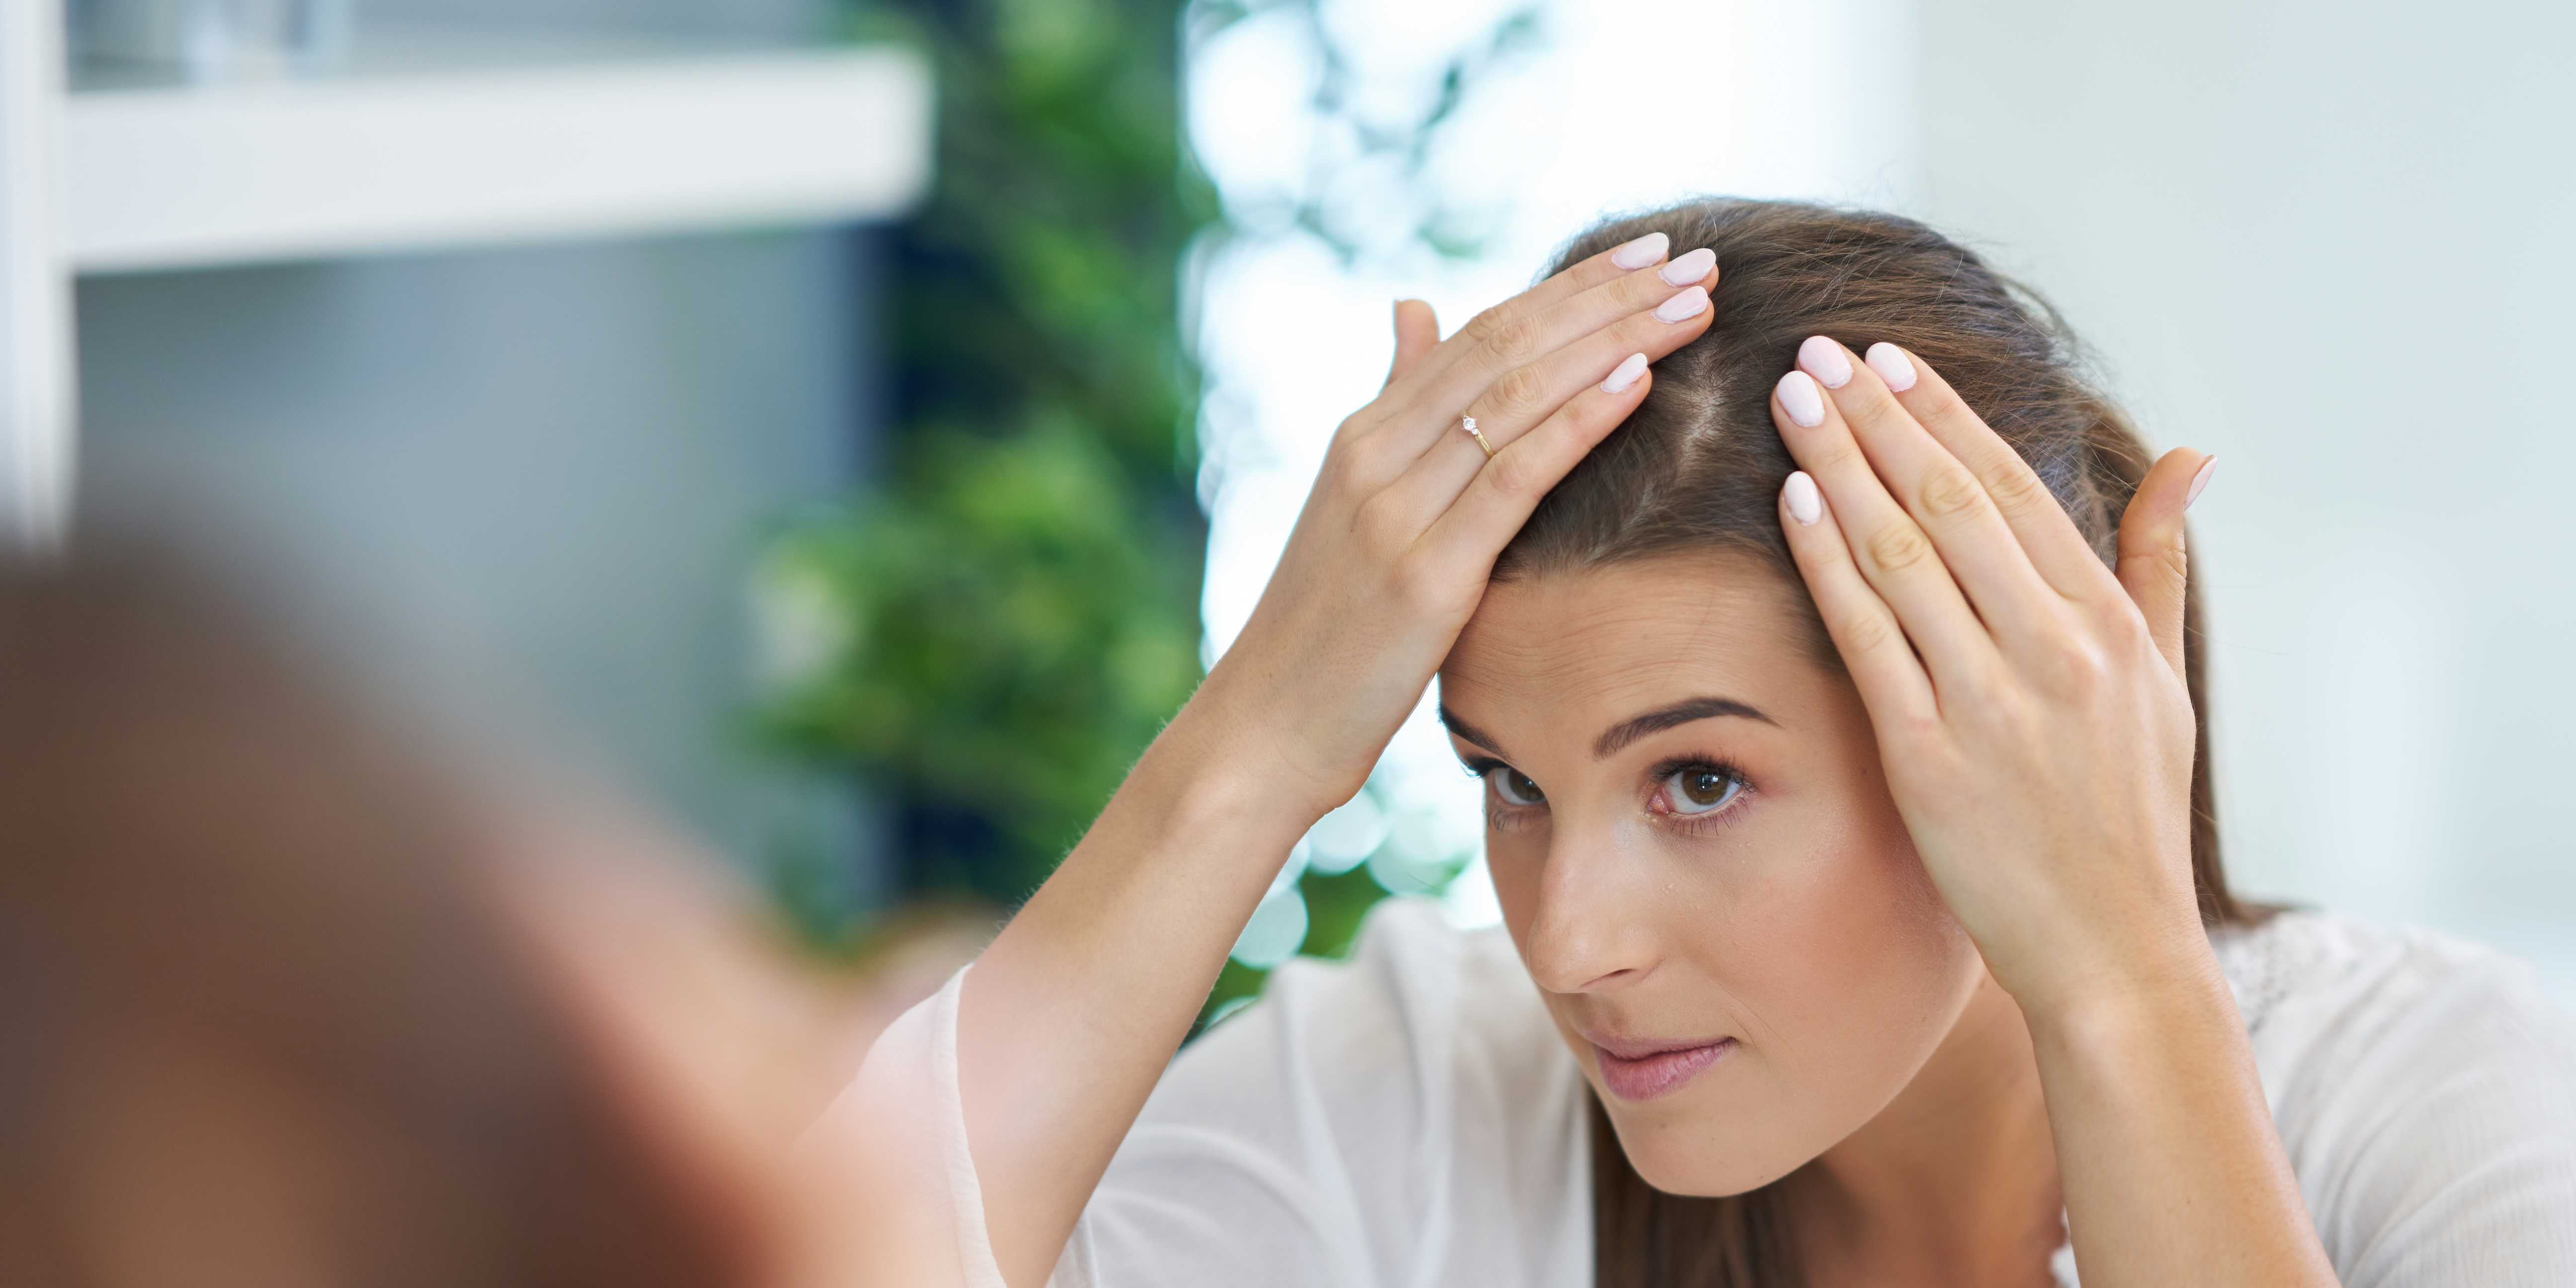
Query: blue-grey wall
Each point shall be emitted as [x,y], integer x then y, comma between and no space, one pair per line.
[549,466]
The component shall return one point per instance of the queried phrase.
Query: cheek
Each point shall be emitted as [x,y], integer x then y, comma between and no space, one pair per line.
[1855,970]
[1513,859]
[1863,949]
[1846,971]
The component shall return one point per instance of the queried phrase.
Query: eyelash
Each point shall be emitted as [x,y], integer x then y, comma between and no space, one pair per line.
[1504,815]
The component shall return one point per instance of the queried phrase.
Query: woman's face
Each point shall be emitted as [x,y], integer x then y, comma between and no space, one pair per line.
[1695,848]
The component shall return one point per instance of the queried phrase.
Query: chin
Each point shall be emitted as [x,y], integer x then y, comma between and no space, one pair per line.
[1702,1156]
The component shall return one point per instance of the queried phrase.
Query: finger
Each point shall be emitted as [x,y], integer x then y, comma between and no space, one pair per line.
[1864,630]
[1945,500]
[2055,547]
[1628,257]
[1417,330]
[1493,506]
[2154,567]
[1434,482]
[1893,555]
[1669,307]
[1611,358]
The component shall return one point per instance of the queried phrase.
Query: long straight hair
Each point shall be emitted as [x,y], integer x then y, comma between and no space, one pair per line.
[1696,468]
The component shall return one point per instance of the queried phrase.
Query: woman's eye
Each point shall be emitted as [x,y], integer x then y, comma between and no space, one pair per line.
[1514,786]
[1699,789]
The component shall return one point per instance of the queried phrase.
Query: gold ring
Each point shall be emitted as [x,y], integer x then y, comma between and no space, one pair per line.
[1468,423]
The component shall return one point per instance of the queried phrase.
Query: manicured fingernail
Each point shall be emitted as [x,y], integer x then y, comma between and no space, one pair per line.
[1891,365]
[1801,399]
[1689,268]
[2199,480]
[1804,504]
[1683,307]
[1641,252]
[1824,360]
[1625,374]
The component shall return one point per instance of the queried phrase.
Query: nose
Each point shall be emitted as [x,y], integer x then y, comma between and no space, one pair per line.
[1594,925]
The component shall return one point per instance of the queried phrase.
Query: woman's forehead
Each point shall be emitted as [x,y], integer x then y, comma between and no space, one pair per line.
[1640,630]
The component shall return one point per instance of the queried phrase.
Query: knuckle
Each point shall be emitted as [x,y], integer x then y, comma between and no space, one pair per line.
[2164,562]
[1898,547]
[2133,639]
[1873,414]
[1350,466]
[2173,562]
[1515,473]
[1952,494]
[2076,665]
[1862,633]
[2016,490]
[1512,341]
[1519,391]
[1839,455]
[1382,526]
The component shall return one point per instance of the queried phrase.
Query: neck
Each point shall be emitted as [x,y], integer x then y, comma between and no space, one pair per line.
[1956,1180]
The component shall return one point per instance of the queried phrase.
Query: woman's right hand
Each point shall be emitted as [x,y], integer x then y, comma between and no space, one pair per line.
[1395,545]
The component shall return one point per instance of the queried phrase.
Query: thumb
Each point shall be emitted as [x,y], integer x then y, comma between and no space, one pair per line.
[1417,329]
[2153,566]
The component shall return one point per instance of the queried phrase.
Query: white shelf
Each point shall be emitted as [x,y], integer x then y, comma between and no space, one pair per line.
[421,144]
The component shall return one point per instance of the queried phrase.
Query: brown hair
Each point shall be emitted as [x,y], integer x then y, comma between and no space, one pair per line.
[1697,467]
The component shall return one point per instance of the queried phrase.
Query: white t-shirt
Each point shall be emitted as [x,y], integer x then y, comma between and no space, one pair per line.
[1410,1119]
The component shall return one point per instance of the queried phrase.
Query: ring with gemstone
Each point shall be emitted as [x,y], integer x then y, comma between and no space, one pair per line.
[1468,423]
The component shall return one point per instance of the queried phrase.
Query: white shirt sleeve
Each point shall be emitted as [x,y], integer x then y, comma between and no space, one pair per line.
[1398,1120]
[2425,1090]
[1406,1117]
[903,1114]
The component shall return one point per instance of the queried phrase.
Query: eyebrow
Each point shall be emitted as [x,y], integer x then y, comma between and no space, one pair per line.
[1628,730]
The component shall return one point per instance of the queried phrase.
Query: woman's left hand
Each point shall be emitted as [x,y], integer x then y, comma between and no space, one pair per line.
[2029,703]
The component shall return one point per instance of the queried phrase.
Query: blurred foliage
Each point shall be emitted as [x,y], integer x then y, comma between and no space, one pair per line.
[995,629]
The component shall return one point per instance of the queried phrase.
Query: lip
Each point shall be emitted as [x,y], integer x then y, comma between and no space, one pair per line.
[1646,1070]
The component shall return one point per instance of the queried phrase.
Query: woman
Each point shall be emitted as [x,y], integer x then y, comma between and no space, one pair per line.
[1834,685]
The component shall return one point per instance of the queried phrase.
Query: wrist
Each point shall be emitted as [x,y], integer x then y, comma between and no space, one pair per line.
[1279,749]
[2179,992]
[1224,769]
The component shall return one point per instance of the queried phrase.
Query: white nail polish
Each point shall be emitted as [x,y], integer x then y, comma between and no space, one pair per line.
[1806,505]
[1689,268]
[1824,360]
[1625,374]
[1891,365]
[1641,252]
[1682,307]
[1801,399]
[2199,480]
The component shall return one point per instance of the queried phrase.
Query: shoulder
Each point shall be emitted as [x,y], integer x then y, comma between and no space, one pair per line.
[2319,985]
[2425,1091]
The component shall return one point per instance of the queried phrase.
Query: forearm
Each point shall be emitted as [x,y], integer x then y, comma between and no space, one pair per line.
[1069,1018]
[2171,1167]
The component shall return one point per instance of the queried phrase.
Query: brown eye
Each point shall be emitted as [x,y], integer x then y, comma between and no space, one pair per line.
[1698,789]
[1514,786]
